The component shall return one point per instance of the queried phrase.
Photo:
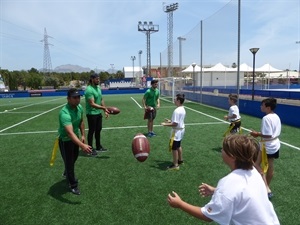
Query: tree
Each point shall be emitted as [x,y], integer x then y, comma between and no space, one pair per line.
[34,80]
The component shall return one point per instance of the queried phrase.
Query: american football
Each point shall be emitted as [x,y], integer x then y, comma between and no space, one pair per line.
[113,110]
[140,147]
[149,109]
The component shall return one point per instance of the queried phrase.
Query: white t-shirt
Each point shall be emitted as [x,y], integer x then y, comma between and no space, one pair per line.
[234,110]
[271,125]
[178,117]
[241,199]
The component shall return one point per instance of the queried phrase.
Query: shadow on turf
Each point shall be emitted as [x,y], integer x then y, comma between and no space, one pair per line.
[99,156]
[161,165]
[217,149]
[57,191]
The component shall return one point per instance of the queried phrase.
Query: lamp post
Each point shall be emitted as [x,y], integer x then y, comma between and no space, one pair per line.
[253,50]
[298,42]
[140,64]
[169,9]
[132,58]
[194,64]
[180,52]
[112,67]
[148,28]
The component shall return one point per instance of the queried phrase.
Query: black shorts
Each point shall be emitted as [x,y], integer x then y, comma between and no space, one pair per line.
[176,145]
[236,128]
[275,155]
[150,115]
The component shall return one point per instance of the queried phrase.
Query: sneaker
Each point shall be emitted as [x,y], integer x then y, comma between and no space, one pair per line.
[153,134]
[75,191]
[270,195]
[173,167]
[150,134]
[180,162]
[101,149]
[94,152]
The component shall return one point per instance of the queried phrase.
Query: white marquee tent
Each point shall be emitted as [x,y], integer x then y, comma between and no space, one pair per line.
[217,68]
[190,69]
[267,68]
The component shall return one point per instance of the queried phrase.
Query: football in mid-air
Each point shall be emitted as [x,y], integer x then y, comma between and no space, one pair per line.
[140,147]
[113,110]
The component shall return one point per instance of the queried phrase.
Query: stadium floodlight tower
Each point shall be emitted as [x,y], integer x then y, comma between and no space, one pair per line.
[169,9]
[148,28]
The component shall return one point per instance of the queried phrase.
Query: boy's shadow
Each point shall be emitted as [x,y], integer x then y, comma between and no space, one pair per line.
[98,156]
[217,149]
[59,189]
[161,165]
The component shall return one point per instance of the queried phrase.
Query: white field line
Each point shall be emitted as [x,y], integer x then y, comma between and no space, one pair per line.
[26,106]
[136,103]
[129,127]
[284,143]
[31,118]
[106,128]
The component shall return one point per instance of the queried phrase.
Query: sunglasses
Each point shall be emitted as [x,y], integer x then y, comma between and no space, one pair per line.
[75,97]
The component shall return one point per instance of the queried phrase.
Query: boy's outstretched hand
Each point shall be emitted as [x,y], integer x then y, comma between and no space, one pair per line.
[174,200]
[206,190]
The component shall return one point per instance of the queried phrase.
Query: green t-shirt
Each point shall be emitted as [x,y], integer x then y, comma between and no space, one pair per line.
[95,93]
[68,116]
[151,96]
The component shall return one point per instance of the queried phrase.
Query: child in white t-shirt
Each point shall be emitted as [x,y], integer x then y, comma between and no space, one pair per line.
[233,116]
[240,198]
[177,132]
[270,144]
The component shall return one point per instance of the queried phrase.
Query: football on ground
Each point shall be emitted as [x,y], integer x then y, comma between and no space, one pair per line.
[140,147]
[113,110]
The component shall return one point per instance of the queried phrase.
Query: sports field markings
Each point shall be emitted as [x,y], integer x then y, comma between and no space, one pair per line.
[143,107]
[106,128]
[136,102]
[26,106]
[284,143]
[31,118]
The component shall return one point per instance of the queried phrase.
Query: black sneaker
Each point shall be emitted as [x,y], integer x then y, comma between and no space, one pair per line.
[102,149]
[180,162]
[94,153]
[75,191]
[173,167]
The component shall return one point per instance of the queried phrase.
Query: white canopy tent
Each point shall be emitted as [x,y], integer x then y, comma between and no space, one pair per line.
[267,68]
[217,68]
[218,75]
[245,68]
[190,69]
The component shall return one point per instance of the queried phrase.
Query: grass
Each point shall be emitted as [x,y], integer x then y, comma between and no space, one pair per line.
[116,188]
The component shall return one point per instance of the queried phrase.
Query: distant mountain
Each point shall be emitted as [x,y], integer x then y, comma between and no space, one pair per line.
[78,69]
[71,68]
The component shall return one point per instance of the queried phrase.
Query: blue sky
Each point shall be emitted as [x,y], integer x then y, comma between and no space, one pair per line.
[98,33]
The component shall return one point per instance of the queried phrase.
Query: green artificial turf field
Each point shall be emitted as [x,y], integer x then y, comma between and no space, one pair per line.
[115,187]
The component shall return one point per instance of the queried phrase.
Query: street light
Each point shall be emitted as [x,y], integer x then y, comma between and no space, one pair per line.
[132,58]
[298,42]
[169,9]
[140,64]
[112,67]
[253,50]
[148,28]
[180,52]
[194,64]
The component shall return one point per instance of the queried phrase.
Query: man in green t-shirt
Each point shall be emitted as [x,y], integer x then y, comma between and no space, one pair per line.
[70,123]
[94,105]
[151,103]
